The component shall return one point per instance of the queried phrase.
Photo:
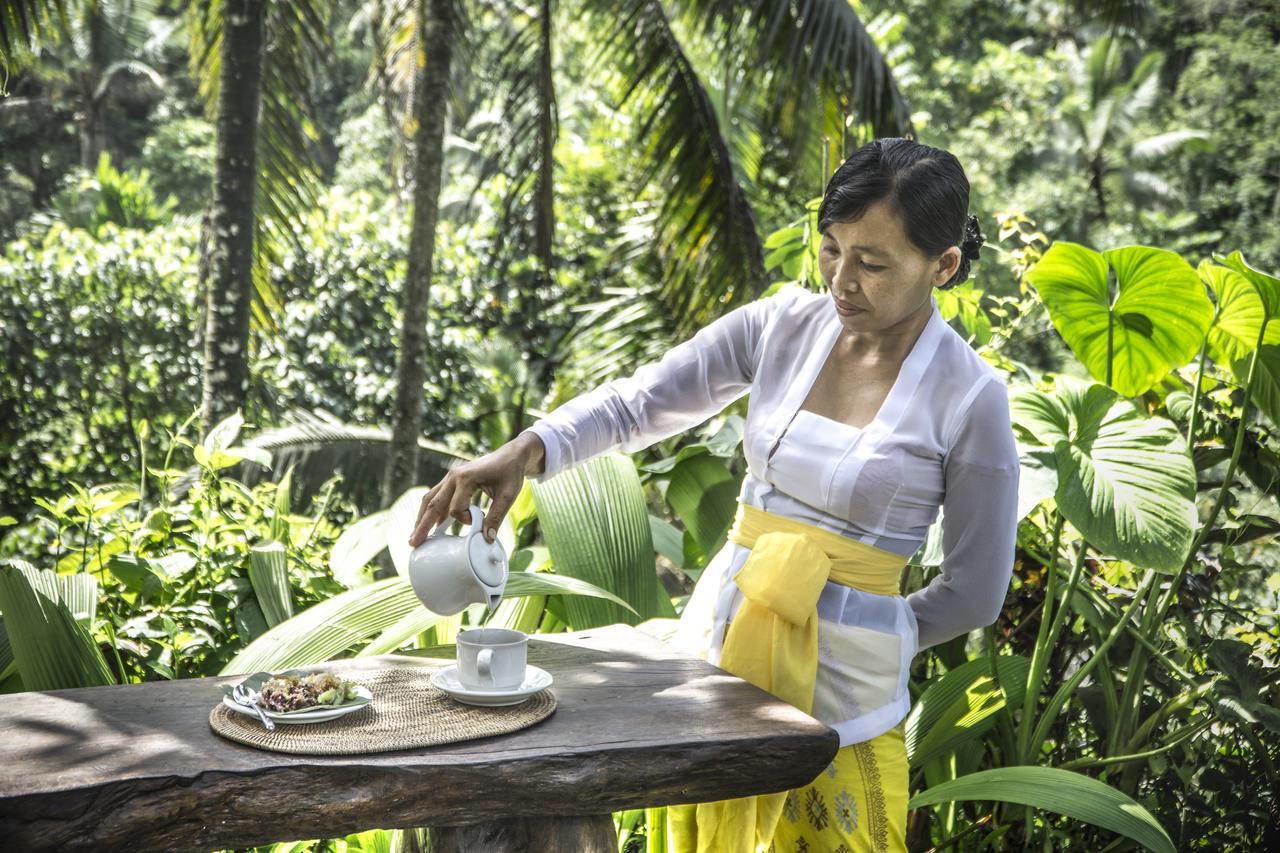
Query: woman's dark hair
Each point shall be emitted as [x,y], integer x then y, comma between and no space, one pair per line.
[926,186]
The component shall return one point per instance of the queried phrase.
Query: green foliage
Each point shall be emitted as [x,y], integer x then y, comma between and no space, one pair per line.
[179,156]
[1128,687]
[179,596]
[1154,323]
[99,335]
[1059,791]
[48,619]
[109,196]
[337,349]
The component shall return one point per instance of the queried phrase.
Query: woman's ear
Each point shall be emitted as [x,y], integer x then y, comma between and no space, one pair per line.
[948,263]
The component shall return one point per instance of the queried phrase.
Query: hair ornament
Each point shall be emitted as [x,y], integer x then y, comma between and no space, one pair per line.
[973,238]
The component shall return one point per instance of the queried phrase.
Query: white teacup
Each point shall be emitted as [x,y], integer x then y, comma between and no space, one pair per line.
[492,658]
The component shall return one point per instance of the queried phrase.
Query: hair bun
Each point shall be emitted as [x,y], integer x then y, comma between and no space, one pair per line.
[972,239]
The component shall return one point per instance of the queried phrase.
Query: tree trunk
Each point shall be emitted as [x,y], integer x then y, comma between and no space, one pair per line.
[544,223]
[94,138]
[229,287]
[1097,170]
[430,106]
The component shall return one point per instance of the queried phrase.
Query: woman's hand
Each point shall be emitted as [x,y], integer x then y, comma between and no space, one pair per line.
[499,474]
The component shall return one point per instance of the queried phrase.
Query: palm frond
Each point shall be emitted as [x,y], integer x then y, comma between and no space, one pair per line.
[813,51]
[24,24]
[1147,186]
[1116,15]
[704,229]
[1163,144]
[506,137]
[318,447]
[627,328]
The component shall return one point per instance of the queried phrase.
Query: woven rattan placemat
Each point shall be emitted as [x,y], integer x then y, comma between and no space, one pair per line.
[407,712]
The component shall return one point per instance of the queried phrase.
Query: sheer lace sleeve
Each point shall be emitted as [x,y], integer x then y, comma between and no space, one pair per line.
[693,381]
[979,522]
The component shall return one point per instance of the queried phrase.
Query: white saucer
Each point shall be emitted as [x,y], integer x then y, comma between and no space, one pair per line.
[317,716]
[535,679]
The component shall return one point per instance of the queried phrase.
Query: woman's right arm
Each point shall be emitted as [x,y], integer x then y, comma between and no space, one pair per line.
[692,382]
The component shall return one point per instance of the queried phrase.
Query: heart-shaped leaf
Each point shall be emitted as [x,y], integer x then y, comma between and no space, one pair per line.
[1125,479]
[1156,323]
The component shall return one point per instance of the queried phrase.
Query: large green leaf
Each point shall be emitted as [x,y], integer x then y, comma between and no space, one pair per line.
[1240,314]
[1266,381]
[327,629]
[704,494]
[546,583]
[1157,322]
[401,632]
[1242,693]
[388,610]
[1055,790]
[668,540]
[1247,297]
[596,525]
[961,705]
[1125,479]
[269,574]
[356,547]
[52,648]
[1267,286]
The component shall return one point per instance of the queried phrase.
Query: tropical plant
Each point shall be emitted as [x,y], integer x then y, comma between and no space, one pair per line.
[124,199]
[1102,135]
[1126,480]
[24,24]
[107,49]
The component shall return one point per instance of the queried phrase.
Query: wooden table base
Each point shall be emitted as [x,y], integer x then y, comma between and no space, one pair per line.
[593,834]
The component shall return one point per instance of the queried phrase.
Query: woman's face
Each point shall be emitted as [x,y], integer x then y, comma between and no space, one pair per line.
[871,265]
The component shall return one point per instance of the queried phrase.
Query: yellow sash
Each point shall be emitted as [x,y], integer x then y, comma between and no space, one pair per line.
[772,642]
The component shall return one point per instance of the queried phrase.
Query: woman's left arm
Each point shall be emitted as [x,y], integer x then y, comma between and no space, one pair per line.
[979,523]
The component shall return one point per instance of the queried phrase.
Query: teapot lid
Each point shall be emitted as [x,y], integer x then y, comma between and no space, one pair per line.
[489,560]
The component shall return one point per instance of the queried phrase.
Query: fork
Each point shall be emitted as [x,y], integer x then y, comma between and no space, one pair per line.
[247,696]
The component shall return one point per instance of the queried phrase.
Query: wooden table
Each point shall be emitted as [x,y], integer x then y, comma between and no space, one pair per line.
[136,767]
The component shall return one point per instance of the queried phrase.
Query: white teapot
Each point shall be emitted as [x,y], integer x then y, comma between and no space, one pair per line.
[450,572]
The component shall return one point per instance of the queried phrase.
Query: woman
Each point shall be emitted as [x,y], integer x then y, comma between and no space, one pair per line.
[867,414]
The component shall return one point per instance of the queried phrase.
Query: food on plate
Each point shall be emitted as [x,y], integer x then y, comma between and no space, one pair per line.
[292,692]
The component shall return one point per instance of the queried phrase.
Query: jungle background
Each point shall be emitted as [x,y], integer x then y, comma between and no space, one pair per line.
[270,269]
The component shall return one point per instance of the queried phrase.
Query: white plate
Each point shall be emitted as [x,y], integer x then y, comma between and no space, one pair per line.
[317,716]
[535,679]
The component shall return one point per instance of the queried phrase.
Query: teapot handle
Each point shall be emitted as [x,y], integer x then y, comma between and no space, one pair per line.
[477,518]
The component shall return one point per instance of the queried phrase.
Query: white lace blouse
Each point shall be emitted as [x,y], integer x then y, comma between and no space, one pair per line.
[942,438]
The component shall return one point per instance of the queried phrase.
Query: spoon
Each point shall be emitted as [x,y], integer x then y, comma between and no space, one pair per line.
[248,696]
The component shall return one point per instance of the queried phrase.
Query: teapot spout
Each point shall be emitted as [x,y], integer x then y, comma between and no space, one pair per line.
[493,599]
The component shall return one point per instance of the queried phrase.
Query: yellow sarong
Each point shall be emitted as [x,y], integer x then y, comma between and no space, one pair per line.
[772,642]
